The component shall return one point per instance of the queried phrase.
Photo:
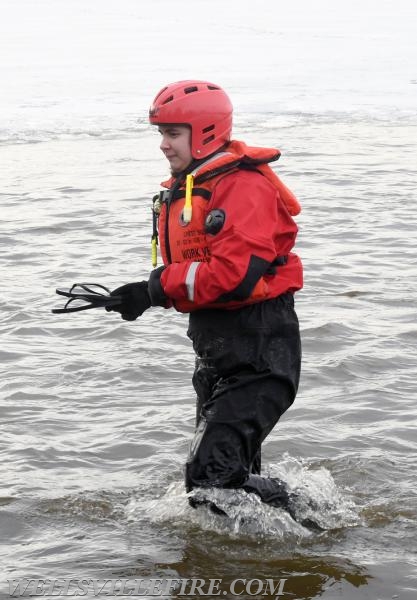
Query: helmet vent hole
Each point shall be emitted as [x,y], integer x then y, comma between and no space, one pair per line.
[189,90]
[169,99]
[209,128]
[208,139]
[212,87]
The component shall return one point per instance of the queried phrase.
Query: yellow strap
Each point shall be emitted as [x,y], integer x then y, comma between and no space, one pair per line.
[154,252]
[188,208]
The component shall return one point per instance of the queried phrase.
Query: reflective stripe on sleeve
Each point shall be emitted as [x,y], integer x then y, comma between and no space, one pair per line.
[190,280]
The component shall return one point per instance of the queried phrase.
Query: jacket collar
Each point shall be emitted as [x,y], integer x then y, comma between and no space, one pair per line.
[235,153]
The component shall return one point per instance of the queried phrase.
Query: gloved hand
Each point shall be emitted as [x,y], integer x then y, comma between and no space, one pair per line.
[135,300]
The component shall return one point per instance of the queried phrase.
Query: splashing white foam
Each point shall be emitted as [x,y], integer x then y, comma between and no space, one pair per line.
[317,498]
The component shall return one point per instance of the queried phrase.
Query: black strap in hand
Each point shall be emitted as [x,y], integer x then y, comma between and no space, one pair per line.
[83,296]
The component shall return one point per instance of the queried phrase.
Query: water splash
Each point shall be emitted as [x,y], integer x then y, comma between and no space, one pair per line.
[316,499]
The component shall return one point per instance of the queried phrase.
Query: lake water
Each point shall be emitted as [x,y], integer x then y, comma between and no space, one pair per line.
[96,413]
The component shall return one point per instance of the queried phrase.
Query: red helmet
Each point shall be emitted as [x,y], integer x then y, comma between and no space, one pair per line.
[202,105]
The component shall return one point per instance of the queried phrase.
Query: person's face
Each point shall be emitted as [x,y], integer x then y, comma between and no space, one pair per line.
[176,145]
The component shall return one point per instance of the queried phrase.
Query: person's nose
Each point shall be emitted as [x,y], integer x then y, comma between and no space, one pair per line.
[164,145]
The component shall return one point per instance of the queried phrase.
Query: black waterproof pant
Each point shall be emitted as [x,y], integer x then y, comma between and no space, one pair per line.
[246,376]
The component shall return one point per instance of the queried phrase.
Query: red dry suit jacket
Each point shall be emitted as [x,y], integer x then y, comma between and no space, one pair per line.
[246,257]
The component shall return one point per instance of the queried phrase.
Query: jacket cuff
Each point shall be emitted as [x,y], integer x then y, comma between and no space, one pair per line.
[155,289]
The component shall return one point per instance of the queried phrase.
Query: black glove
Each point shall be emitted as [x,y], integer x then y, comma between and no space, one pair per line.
[134,300]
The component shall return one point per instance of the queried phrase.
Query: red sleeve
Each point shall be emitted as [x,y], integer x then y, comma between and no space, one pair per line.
[257,229]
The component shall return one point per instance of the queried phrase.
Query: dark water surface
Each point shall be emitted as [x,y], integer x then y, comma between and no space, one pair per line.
[97,414]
